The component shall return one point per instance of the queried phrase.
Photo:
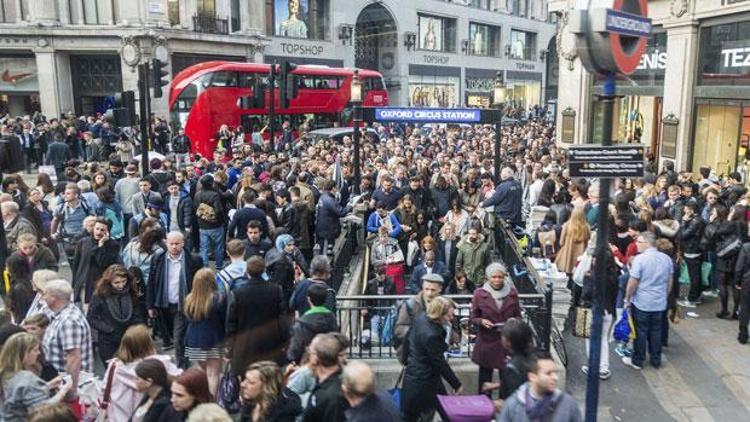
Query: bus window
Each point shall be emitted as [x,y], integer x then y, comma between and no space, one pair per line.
[373,84]
[183,105]
[224,79]
[320,82]
[247,79]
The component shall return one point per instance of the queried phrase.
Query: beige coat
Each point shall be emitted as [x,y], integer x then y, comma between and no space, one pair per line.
[569,251]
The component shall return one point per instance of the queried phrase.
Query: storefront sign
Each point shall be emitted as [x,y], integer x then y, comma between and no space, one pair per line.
[435,59]
[478,100]
[609,162]
[295,49]
[653,61]
[427,115]
[736,57]
[525,66]
[480,84]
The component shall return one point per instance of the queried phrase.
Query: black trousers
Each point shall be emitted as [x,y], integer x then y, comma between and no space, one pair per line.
[175,325]
[485,375]
[727,286]
[744,311]
[694,271]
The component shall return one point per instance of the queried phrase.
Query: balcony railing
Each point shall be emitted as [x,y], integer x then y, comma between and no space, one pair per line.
[210,25]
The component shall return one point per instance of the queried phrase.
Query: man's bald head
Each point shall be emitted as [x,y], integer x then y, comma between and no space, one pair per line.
[175,243]
[358,380]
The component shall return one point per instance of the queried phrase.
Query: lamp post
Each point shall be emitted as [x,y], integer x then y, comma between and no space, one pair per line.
[498,101]
[356,100]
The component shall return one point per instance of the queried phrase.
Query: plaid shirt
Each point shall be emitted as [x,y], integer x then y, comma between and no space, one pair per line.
[68,330]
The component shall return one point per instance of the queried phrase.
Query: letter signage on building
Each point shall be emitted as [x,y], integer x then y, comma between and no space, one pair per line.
[428,115]
[725,54]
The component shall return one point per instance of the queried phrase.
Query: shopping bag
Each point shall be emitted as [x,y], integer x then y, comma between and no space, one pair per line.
[395,392]
[621,332]
[582,324]
[386,328]
[706,274]
[476,408]
[684,274]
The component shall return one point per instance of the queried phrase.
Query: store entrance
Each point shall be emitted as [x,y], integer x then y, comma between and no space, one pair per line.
[722,131]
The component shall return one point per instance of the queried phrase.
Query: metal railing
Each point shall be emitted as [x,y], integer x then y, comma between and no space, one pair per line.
[210,25]
[343,251]
[367,320]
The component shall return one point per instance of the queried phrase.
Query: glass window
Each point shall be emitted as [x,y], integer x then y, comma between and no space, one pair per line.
[522,45]
[173,8]
[235,6]
[90,14]
[308,19]
[717,128]
[247,80]
[433,91]
[320,82]
[370,84]
[224,79]
[725,54]
[484,40]
[206,8]
[437,33]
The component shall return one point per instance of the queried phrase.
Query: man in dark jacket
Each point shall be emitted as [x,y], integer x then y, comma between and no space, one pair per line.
[327,402]
[257,326]
[328,217]
[443,195]
[288,220]
[58,153]
[181,146]
[246,214]
[689,237]
[320,271]
[170,281]
[92,256]
[419,195]
[358,386]
[180,210]
[255,244]
[430,266]
[209,210]
[318,319]
[507,198]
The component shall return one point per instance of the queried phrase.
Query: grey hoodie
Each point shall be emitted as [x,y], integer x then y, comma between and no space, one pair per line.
[565,408]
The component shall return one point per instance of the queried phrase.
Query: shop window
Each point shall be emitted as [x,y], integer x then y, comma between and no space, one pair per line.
[235,13]
[173,10]
[725,54]
[437,33]
[522,45]
[484,40]
[308,19]
[433,91]
[717,130]
[206,8]
[519,7]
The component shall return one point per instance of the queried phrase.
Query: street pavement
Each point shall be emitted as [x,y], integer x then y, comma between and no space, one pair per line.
[705,376]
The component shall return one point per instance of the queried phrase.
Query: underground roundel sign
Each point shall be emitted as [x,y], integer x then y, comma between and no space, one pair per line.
[611,35]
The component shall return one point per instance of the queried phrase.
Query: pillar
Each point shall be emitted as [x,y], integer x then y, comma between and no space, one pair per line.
[682,59]
[255,17]
[55,83]
[575,91]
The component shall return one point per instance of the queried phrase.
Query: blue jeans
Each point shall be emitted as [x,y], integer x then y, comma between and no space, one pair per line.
[648,331]
[215,238]
[622,284]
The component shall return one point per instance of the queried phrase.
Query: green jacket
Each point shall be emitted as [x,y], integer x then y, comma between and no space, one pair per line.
[473,258]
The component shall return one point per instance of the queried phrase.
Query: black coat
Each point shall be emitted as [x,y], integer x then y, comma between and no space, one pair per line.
[307,327]
[742,267]
[158,410]
[690,235]
[11,155]
[238,225]
[257,327]
[327,402]
[425,366]
[157,278]
[215,201]
[58,153]
[328,215]
[286,408]
[718,235]
[89,262]
[109,328]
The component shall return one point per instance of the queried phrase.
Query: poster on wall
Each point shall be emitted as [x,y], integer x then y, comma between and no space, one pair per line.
[430,33]
[432,95]
[291,18]
[18,74]
[479,38]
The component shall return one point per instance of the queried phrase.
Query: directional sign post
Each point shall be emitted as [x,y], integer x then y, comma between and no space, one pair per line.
[609,41]
[606,161]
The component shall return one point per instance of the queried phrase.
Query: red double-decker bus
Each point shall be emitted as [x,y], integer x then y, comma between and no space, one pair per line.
[205,96]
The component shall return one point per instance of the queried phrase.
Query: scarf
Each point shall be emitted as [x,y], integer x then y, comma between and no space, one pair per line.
[536,410]
[498,295]
[120,305]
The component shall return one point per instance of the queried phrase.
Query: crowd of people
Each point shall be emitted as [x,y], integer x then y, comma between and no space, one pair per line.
[207,279]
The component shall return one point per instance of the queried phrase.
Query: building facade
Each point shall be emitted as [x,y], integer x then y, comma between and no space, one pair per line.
[689,100]
[58,56]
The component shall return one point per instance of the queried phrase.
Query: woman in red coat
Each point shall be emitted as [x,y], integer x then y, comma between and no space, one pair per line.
[493,304]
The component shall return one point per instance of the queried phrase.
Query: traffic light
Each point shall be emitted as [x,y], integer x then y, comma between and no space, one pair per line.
[288,86]
[123,113]
[258,97]
[159,73]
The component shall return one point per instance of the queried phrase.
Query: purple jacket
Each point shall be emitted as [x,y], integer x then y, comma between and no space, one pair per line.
[488,350]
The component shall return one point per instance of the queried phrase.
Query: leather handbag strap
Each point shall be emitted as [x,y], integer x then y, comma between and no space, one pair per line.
[108,386]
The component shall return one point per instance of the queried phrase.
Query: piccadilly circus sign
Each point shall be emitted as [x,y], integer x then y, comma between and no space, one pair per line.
[611,35]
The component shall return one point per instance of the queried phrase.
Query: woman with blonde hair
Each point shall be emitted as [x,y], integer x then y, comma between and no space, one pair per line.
[22,389]
[135,347]
[266,396]
[39,280]
[574,237]
[206,310]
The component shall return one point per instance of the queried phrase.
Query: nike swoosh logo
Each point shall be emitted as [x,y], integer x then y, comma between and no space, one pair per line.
[7,77]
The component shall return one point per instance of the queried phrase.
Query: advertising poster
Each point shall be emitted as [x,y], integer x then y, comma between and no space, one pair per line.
[290,17]
[430,33]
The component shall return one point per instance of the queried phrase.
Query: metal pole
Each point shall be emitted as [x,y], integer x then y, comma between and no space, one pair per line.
[143,110]
[272,105]
[357,119]
[601,255]
[498,140]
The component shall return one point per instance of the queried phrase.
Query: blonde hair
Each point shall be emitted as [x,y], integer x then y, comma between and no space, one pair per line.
[136,343]
[438,307]
[576,228]
[270,376]
[209,412]
[13,352]
[198,302]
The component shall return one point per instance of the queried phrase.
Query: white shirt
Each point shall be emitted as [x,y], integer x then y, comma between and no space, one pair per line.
[174,271]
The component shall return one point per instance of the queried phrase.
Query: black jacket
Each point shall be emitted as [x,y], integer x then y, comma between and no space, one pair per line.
[421,197]
[286,408]
[716,237]
[157,279]
[327,402]
[184,211]
[507,201]
[690,235]
[609,295]
[307,327]
[238,225]
[158,410]
[426,365]
[213,200]
[11,155]
[328,215]
[58,153]
[89,262]
[377,407]
[260,249]
[181,144]
[288,221]
[257,327]
[742,267]
[110,329]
